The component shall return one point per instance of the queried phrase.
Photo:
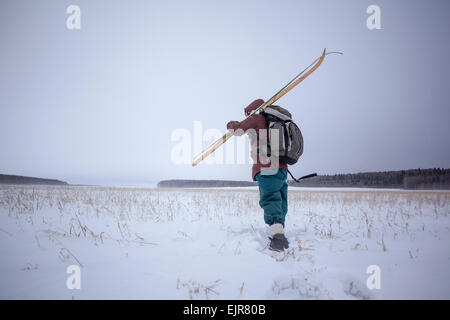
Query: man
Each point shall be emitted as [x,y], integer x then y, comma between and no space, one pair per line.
[270,173]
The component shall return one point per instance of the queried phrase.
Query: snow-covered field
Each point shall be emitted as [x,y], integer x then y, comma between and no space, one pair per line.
[212,244]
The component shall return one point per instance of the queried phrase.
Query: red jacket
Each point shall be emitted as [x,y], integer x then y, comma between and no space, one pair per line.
[256,122]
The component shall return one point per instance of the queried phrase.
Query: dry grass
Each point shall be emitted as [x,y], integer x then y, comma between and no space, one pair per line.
[196,289]
[103,213]
[366,218]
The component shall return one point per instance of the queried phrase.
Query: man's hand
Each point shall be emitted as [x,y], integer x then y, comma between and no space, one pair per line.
[231,126]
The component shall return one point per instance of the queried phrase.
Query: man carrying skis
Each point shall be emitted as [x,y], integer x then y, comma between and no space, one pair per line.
[269,172]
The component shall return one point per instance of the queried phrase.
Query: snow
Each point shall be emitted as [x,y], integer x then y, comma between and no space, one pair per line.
[143,243]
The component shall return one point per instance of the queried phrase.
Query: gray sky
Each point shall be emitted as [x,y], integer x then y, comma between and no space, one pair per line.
[99,104]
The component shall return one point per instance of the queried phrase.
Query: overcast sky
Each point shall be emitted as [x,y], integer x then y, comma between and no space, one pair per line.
[99,104]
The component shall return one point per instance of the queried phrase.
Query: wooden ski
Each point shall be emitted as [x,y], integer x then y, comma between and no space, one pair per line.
[291,84]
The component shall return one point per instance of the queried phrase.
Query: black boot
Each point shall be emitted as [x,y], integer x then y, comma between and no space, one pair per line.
[278,242]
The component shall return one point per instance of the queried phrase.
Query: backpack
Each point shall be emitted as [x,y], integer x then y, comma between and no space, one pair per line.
[290,138]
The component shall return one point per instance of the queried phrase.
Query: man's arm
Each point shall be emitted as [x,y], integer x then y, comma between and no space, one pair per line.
[249,123]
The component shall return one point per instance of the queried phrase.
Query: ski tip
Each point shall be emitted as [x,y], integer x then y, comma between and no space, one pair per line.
[335,52]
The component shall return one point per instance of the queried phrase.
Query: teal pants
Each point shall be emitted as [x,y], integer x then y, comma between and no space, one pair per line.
[273,196]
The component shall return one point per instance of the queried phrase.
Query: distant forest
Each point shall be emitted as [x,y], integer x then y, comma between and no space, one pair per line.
[424,179]
[416,179]
[10,179]
[406,179]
